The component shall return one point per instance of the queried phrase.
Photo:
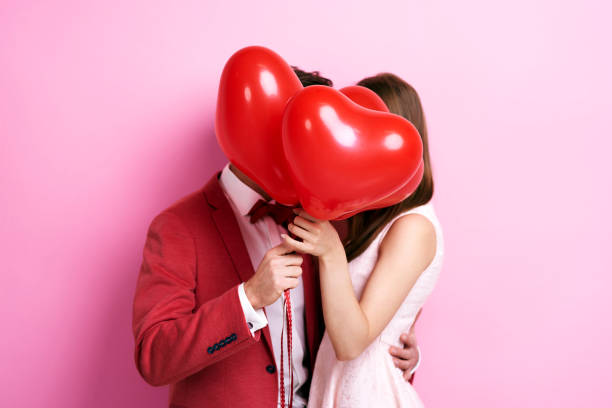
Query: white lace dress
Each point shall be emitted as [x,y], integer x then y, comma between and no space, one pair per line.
[371,379]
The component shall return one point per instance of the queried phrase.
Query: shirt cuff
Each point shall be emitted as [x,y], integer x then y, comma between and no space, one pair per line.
[418,361]
[255,319]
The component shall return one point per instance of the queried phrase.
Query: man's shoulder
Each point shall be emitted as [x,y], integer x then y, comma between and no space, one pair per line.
[194,207]
[194,202]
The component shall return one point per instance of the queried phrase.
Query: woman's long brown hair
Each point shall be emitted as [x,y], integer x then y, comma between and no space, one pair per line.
[403,100]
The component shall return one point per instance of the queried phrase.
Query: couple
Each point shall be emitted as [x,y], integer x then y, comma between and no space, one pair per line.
[208,307]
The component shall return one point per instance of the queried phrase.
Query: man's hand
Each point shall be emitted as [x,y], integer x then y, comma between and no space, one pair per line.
[277,271]
[407,358]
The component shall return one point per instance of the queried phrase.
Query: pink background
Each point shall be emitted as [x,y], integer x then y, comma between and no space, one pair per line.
[106,118]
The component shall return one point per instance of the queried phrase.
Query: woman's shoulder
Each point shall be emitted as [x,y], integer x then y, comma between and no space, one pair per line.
[423,216]
[419,223]
[410,225]
[410,234]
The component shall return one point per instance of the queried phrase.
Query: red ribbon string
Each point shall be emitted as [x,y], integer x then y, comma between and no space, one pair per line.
[289,349]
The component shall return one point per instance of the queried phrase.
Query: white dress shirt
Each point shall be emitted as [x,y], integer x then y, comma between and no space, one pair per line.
[259,238]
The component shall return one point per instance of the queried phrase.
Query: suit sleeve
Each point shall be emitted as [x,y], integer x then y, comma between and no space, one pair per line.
[174,337]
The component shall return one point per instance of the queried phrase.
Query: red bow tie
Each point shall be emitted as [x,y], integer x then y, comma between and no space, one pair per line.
[281,214]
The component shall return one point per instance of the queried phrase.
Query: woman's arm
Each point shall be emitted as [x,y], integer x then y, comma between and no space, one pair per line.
[405,252]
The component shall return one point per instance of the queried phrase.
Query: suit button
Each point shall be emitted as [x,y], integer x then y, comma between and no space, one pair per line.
[271,369]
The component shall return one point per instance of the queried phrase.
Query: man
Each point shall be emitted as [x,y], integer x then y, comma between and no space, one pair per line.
[207,322]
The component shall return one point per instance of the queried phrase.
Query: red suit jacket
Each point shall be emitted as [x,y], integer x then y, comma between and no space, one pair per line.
[189,328]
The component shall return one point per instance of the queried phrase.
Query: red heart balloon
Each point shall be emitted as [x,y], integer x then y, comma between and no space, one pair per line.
[403,192]
[365,97]
[255,86]
[370,99]
[400,195]
[343,157]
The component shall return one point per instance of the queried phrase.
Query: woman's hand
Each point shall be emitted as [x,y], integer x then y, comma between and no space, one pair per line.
[319,238]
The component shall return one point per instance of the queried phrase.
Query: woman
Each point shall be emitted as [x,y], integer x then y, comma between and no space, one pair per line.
[374,282]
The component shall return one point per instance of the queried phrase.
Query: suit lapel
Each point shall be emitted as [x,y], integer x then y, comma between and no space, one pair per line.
[228,228]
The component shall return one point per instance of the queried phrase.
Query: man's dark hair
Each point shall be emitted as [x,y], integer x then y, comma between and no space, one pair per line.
[311,78]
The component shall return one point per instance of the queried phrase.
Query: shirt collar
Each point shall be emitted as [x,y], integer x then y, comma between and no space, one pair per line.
[242,196]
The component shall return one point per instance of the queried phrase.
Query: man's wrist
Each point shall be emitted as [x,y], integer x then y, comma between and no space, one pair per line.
[253,300]
[255,318]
